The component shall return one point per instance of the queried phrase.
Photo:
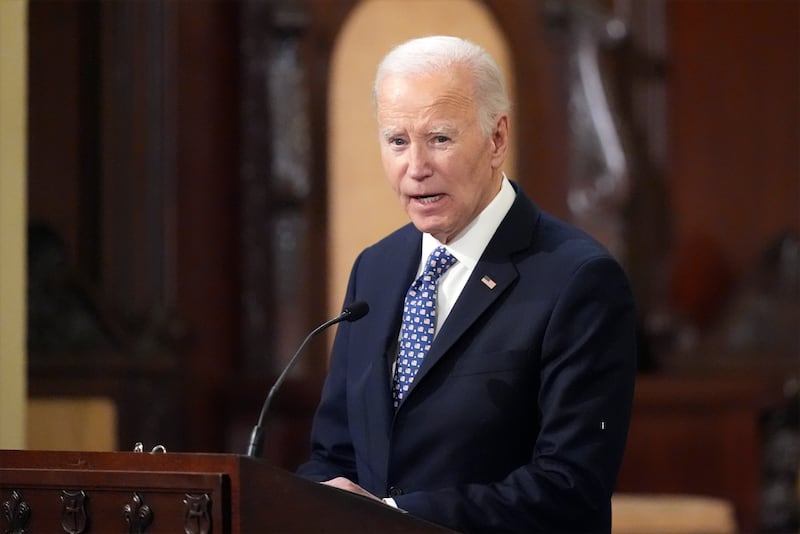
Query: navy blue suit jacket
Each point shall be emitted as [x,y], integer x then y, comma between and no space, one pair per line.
[518,417]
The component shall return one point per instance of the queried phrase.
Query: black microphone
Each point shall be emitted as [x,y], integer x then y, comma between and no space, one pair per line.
[353,312]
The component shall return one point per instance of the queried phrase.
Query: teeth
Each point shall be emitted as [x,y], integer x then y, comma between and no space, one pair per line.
[428,200]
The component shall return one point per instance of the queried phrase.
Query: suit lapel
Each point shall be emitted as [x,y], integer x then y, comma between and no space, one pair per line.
[386,291]
[493,275]
[473,301]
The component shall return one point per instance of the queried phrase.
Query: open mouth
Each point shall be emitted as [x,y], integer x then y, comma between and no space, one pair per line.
[427,199]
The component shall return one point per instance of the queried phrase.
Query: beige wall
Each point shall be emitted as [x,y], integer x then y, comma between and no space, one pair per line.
[362,207]
[13,54]
[72,424]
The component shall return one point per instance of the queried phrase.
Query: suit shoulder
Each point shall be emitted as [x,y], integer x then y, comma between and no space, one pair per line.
[556,235]
[402,238]
[556,238]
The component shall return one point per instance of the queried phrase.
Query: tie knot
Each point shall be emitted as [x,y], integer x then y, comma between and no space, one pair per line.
[438,262]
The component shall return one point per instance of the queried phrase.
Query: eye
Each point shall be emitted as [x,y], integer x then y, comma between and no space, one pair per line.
[441,139]
[397,141]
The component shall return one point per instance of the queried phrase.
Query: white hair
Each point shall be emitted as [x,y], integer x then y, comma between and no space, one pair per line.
[426,55]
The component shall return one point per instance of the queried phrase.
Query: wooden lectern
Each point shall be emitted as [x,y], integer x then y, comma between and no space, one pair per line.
[77,492]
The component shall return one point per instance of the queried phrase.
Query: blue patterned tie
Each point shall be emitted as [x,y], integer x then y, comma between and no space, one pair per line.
[419,322]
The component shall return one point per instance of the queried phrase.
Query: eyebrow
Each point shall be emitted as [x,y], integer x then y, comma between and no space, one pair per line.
[437,129]
[446,128]
[387,133]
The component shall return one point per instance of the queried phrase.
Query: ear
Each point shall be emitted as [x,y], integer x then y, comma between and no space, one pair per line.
[500,141]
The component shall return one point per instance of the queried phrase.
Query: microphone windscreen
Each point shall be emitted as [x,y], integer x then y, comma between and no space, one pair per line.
[356,311]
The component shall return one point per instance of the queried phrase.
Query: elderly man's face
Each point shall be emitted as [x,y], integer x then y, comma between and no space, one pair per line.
[444,169]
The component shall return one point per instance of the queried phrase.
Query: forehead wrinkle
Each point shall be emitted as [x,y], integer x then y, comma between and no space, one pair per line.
[425,123]
[445,114]
[441,115]
[453,99]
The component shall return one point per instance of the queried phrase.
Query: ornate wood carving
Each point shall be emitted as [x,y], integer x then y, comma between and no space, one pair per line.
[615,78]
[74,517]
[138,515]
[197,517]
[17,513]
[599,184]
[277,189]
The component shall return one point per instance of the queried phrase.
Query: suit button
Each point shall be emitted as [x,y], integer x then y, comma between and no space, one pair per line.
[395,492]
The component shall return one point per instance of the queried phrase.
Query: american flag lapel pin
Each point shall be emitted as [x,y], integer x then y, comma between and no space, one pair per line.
[488,282]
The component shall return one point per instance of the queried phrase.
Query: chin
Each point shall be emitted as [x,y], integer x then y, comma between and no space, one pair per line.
[435,231]
[424,225]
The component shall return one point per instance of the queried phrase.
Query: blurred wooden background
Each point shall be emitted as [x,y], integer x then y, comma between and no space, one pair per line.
[169,257]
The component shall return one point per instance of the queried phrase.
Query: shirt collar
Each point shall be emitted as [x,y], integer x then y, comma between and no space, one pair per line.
[469,245]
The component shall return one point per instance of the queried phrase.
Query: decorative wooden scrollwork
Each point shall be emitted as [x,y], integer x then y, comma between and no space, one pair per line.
[74,518]
[17,512]
[138,515]
[197,516]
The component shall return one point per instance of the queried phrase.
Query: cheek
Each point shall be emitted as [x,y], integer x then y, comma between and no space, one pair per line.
[393,174]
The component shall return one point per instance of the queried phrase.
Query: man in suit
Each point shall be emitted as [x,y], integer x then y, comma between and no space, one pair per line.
[512,415]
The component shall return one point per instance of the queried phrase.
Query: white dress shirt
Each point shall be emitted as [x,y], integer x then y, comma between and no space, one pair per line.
[467,247]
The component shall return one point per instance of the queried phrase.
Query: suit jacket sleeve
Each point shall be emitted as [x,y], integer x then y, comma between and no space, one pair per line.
[332,453]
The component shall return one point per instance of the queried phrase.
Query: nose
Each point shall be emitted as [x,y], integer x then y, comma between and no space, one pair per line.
[419,166]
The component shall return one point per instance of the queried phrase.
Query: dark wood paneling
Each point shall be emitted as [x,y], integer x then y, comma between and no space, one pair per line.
[207,292]
[62,125]
[110,492]
[157,166]
[541,126]
[734,81]
[700,434]
[135,155]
